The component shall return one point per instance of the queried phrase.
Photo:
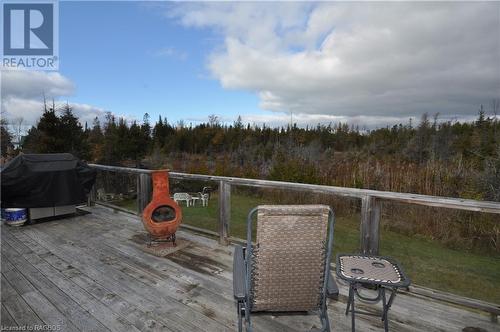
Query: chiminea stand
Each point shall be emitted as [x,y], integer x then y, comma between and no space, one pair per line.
[152,240]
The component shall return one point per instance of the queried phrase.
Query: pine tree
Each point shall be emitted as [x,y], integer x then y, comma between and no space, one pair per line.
[72,133]
[96,140]
[46,137]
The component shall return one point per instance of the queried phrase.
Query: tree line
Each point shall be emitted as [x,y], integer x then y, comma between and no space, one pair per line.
[435,157]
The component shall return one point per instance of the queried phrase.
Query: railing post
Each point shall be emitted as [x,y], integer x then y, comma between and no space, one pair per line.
[370,221]
[224,211]
[143,191]
[92,196]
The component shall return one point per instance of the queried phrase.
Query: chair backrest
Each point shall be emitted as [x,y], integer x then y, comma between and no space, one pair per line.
[207,191]
[289,258]
[182,196]
[101,194]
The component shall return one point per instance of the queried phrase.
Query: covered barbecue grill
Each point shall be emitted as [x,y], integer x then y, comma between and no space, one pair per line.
[48,181]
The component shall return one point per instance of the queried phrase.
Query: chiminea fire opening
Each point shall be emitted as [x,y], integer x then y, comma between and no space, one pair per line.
[162,215]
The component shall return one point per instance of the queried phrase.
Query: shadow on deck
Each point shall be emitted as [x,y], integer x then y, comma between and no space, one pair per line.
[88,273]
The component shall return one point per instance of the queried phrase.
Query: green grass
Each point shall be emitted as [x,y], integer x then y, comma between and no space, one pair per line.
[428,263]
[129,204]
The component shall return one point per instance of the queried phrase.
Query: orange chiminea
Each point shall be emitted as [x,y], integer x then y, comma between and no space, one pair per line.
[162,215]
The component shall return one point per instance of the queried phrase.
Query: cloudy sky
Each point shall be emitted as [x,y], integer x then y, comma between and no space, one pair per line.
[370,64]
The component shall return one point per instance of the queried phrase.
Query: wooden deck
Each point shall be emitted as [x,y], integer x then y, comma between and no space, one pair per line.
[88,273]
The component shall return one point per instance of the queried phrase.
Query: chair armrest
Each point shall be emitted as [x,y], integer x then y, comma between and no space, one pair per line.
[332,290]
[239,273]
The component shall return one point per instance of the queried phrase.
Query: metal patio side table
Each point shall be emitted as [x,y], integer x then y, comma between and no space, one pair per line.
[377,272]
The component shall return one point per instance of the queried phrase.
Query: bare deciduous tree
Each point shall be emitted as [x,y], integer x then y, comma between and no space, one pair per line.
[17,128]
[213,120]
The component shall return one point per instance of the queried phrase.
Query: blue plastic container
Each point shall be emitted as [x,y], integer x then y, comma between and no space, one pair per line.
[14,216]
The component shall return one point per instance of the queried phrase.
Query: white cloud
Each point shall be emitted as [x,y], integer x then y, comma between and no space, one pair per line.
[311,120]
[34,84]
[363,122]
[356,60]
[30,111]
[23,92]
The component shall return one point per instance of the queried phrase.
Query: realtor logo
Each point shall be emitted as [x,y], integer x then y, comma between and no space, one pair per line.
[30,33]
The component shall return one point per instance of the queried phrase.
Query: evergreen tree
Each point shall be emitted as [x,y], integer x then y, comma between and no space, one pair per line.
[110,153]
[57,134]
[72,132]
[96,140]
[46,136]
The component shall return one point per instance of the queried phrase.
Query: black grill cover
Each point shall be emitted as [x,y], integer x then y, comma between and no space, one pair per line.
[44,180]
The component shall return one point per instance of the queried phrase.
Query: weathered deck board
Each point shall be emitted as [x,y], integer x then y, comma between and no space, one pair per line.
[77,294]
[29,279]
[87,274]
[17,307]
[117,282]
[109,261]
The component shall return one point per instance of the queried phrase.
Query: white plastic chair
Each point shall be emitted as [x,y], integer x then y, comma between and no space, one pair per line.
[204,198]
[183,197]
[103,196]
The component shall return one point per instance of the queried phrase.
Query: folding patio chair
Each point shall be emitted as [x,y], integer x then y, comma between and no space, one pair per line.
[288,268]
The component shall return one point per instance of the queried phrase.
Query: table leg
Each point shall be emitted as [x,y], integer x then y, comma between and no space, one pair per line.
[391,299]
[384,310]
[351,291]
[349,300]
[386,306]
